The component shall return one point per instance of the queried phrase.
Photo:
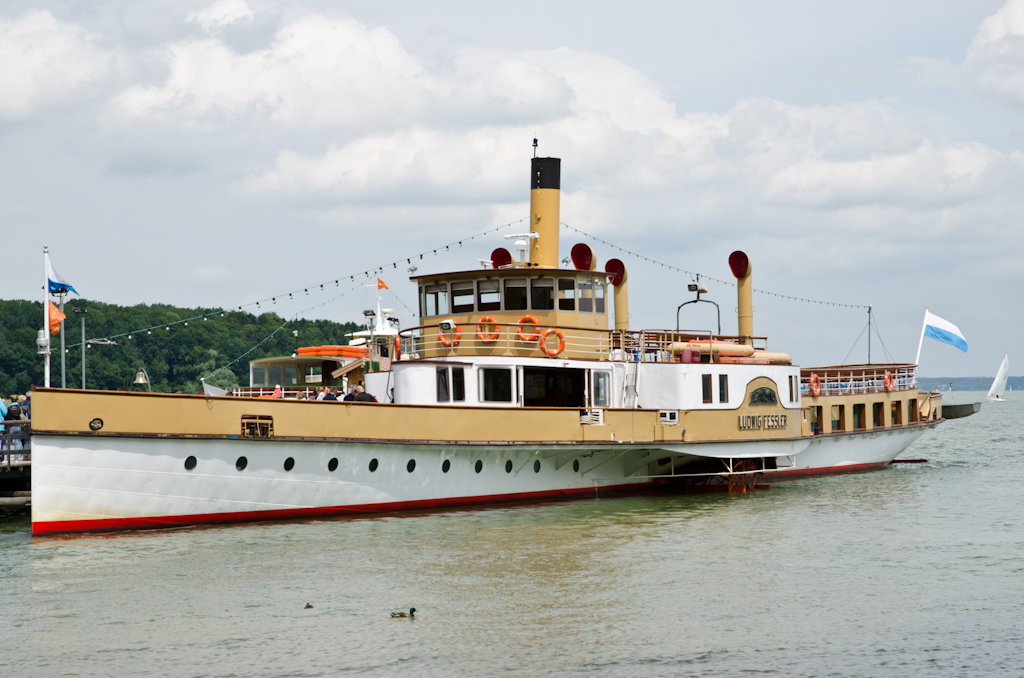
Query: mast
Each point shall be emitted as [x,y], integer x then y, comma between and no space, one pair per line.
[46,316]
[870,306]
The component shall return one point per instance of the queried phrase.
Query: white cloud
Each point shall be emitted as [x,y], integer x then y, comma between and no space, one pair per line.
[220,14]
[995,58]
[212,273]
[45,62]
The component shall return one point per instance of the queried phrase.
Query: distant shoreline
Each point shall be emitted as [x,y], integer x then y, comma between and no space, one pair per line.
[969,383]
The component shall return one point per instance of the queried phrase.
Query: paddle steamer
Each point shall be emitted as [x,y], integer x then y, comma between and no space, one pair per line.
[523,381]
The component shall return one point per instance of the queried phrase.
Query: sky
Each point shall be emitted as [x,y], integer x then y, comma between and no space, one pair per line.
[219,153]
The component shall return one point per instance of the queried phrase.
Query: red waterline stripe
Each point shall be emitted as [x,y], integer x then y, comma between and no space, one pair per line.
[159,522]
[828,470]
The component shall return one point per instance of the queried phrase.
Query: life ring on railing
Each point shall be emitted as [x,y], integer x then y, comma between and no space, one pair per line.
[536,330]
[543,339]
[448,343]
[815,385]
[887,380]
[490,338]
[398,347]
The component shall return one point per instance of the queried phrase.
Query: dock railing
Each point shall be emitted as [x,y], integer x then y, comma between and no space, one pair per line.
[16,445]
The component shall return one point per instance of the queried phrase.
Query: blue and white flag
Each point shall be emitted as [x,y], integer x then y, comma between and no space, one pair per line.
[944,331]
[57,283]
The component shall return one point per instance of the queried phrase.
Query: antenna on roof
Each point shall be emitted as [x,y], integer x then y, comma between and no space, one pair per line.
[535,148]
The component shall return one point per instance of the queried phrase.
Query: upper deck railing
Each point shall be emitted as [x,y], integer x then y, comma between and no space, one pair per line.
[852,379]
[525,340]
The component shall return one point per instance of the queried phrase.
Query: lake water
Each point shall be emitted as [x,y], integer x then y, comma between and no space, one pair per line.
[918,569]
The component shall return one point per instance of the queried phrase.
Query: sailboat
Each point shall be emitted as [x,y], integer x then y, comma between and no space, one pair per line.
[995,393]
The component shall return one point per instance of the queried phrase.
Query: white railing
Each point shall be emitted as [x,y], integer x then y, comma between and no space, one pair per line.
[857,379]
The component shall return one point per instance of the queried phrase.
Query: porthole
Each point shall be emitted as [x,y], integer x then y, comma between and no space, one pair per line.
[190,463]
[478,466]
[536,466]
[411,466]
[373,465]
[241,463]
[508,466]
[445,466]
[332,465]
[576,465]
[289,464]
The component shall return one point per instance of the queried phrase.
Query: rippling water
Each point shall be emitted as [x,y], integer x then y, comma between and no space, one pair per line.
[916,569]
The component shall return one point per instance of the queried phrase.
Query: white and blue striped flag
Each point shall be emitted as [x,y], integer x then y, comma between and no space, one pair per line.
[57,283]
[944,331]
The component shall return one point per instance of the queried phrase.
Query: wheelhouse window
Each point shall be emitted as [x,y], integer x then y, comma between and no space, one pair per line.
[488,295]
[259,376]
[496,384]
[275,376]
[586,295]
[599,296]
[600,389]
[435,299]
[723,388]
[515,294]
[705,384]
[542,294]
[442,385]
[291,376]
[566,294]
[314,375]
[462,296]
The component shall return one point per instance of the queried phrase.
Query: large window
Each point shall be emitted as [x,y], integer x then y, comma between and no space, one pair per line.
[435,299]
[542,294]
[515,294]
[598,296]
[586,295]
[259,376]
[275,376]
[600,389]
[462,296]
[291,377]
[443,392]
[566,294]
[450,385]
[488,295]
[496,384]
[314,375]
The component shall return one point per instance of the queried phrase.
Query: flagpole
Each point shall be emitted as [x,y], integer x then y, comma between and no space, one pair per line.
[63,366]
[924,324]
[46,314]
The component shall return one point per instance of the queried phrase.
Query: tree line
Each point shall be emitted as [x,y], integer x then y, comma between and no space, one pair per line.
[174,358]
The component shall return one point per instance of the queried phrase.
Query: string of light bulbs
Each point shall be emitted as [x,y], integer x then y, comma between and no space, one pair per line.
[302,291]
[707,277]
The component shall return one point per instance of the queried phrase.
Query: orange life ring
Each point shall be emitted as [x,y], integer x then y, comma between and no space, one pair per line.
[536,330]
[398,347]
[815,385]
[561,344]
[490,338]
[448,343]
[888,381]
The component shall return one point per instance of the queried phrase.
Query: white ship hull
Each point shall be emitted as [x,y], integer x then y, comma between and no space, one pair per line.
[83,483]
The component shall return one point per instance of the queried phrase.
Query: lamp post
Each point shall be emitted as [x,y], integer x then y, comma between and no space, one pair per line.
[80,311]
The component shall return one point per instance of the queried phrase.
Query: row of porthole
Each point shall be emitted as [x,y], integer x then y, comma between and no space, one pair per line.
[332,465]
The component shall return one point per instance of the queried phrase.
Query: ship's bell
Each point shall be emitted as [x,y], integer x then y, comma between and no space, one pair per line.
[140,377]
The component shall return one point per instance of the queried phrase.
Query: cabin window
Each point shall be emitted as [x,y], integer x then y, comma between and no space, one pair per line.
[763,396]
[601,388]
[458,384]
[705,382]
[723,388]
[255,426]
[838,417]
[515,294]
[566,294]
[790,380]
[442,385]
[496,385]
[913,415]
[259,376]
[314,375]
[815,419]
[598,296]
[878,415]
[275,376]
[488,295]
[554,387]
[897,413]
[542,294]
[858,417]
[586,295]
[291,376]
[435,299]
[462,296]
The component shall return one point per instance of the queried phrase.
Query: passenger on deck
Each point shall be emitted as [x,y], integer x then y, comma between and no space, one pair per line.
[351,395]
[329,394]
[362,396]
[321,393]
[277,392]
